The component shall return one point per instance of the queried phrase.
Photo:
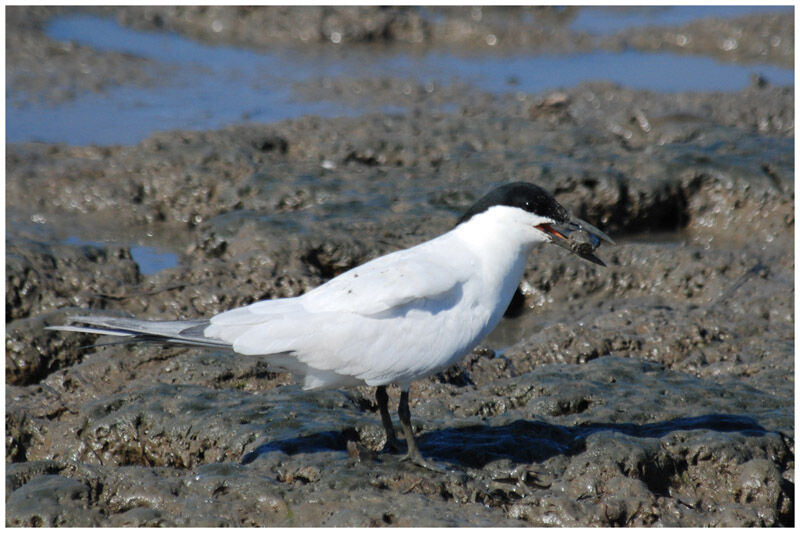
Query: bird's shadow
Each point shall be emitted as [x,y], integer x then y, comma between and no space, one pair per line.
[521,441]
[316,442]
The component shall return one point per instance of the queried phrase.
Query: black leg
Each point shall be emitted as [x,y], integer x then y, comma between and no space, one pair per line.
[383,405]
[413,452]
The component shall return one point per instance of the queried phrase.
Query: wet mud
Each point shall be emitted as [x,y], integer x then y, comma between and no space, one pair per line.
[656,391]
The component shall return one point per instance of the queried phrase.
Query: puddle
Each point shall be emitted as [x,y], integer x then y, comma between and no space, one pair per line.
[606,21]
[150,260]
[213,86]
[664,72]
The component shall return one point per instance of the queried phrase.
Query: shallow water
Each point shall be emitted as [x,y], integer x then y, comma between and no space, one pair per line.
[212,86]
[149,259]
[606,21]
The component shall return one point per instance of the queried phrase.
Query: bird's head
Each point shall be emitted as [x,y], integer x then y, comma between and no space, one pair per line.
[533,213]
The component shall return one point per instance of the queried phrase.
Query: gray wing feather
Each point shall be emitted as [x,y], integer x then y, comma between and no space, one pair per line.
[170,331]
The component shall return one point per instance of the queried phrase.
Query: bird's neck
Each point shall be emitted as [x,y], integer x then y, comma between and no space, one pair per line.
[499,265]
[493,241]
[502,256]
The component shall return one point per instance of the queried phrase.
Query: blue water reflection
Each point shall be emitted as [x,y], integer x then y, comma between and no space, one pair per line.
[606,21]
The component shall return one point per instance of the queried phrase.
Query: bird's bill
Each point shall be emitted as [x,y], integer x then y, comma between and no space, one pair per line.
[577,236]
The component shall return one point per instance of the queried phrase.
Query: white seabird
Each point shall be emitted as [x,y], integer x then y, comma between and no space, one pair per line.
[395,319]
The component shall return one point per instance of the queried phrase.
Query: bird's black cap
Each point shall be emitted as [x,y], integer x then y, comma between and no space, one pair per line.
[526,196]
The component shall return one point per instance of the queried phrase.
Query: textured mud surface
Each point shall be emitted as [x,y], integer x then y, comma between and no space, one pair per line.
[656,391]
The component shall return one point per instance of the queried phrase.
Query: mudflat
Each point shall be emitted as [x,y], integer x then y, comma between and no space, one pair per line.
[656,391]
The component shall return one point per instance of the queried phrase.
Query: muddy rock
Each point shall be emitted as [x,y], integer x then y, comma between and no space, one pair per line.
[479,28]
[759,37]
[657,187]
[763,38]
[41,281]
[41,277]
[44,70]
[591,463]
[72,69]
[52,501]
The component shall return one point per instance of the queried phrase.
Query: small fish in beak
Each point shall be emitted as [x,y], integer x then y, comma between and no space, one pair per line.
[577,236]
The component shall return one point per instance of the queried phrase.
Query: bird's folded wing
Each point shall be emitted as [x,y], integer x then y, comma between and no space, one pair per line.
[387,284]
[332,316]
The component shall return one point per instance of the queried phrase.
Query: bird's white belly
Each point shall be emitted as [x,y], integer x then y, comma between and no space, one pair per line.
[403,348]
[341,349]
[423,345]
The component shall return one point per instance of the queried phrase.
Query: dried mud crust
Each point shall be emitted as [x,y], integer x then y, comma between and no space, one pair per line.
[657,391]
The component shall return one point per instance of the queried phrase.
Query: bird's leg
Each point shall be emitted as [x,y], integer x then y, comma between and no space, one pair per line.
[413,454]
[392,444]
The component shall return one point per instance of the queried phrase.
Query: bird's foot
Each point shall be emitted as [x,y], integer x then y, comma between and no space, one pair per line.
[417,459]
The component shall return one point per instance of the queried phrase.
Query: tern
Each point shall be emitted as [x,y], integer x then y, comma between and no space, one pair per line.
[395,319]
